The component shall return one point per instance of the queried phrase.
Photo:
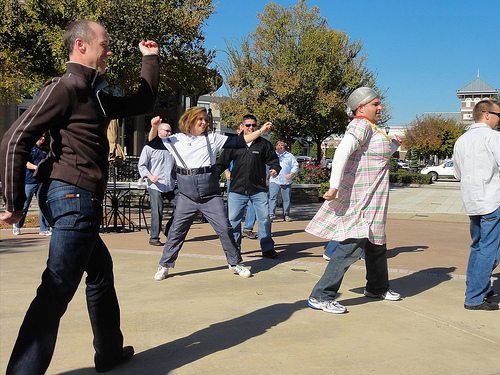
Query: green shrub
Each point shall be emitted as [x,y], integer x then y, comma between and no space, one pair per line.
[393,165]
[405,177]
[312,175]
[323,188]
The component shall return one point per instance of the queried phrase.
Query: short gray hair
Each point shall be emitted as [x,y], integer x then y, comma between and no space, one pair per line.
[78,29]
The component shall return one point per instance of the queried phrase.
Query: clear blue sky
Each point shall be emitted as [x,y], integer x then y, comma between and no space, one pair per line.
[422,51]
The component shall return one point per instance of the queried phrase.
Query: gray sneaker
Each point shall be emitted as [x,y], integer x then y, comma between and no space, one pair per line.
[390,295]
[15,230]
[330,306]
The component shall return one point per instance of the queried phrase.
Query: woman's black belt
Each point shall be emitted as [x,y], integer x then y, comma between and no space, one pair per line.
[193,171]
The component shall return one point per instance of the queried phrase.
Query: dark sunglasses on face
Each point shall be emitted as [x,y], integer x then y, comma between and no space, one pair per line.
[250,125]
[493,113]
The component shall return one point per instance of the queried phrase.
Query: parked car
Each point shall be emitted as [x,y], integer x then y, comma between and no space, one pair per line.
[444,170]
[303,160]
[403,164]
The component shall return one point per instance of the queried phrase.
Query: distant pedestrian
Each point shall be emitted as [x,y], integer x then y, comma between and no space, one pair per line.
[282,183]
[156,165]
[248,184]
[477,165]
[355,208]
[32,187]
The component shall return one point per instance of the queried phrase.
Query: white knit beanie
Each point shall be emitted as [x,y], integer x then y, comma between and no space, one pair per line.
[361,95]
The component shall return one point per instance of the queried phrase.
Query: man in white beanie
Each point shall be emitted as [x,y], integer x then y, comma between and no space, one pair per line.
[355,208]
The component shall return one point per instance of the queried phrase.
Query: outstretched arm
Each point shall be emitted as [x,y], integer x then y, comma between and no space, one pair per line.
[266,128]
[153,133]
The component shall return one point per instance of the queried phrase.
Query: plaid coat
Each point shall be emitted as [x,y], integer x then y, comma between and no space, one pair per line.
[360,209]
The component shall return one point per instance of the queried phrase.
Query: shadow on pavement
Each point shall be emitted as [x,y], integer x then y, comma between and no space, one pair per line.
[217,337]
[287,252]
[21,244]
[408,285]
[391,253]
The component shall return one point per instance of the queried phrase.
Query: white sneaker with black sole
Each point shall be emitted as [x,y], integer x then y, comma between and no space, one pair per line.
[390,295]
[240,270]
[330,306]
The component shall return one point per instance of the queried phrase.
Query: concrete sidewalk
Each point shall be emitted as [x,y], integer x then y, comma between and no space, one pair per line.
[204,319]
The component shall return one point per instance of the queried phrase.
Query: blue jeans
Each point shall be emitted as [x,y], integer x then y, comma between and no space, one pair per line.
[484,255]
[236,206]
[30,190]
[75,247]
[249,217]
[348,252]
[331,246]
[286,192]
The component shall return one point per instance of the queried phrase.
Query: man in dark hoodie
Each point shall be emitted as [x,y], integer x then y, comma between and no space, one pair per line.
[248,183]
[76,111]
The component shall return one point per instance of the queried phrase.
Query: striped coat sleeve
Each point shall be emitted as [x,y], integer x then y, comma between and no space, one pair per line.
[46,111]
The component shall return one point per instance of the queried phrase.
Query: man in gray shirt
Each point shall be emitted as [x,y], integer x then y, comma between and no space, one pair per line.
[156,165]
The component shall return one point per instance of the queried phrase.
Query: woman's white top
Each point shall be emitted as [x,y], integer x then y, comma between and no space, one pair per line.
[193,148]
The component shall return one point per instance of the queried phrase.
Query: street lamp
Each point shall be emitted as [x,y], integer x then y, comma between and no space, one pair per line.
[387,129]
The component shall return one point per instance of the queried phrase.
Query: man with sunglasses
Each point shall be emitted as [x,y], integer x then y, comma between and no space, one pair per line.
[156,165]
[477,165]
[248,183]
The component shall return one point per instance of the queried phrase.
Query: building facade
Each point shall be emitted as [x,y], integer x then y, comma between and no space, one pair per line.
[471,94]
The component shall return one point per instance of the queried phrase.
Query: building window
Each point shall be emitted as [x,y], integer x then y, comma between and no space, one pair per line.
[205,105]
[467,102]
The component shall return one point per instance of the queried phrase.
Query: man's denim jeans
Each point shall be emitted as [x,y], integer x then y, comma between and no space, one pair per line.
[30,190]
[249,217]
[75,247]
[286,192]
[484,255]
[346,253]
[236,206]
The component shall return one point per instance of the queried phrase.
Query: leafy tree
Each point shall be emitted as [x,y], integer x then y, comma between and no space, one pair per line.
[296,72]
[296,148]
[431,134]
[31,42]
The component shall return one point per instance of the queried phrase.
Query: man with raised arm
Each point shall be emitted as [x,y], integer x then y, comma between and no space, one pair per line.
[76,111]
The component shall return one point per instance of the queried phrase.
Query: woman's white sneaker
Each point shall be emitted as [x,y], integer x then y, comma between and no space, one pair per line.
[241,270]
[161,274]
[329,306]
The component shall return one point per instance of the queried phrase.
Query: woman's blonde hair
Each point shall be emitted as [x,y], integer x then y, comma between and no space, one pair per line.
[189,117]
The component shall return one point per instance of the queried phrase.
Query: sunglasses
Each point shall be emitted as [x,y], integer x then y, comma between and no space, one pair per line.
[493,113]
[250,125]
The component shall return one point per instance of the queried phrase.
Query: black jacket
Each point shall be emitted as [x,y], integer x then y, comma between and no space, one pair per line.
[248,174]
